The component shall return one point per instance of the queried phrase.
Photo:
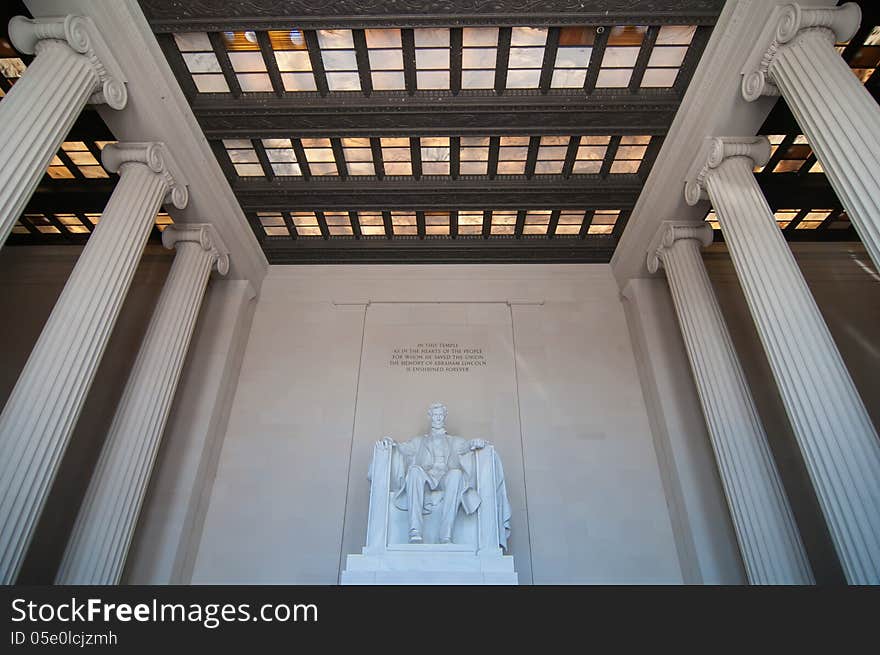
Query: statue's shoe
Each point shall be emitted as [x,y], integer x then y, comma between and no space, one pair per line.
[446,540]
[415,537]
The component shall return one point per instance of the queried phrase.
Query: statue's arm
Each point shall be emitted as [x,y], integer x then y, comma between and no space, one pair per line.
[407,448]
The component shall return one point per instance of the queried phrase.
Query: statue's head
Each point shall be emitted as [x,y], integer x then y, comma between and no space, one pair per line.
[437,414]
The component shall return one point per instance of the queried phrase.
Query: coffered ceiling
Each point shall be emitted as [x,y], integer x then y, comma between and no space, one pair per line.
[451,131]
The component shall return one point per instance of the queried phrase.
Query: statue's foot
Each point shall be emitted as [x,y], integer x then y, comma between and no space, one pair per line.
[445,540]
[415,537]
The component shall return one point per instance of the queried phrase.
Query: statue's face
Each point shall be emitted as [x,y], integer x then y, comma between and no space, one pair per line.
[438,417]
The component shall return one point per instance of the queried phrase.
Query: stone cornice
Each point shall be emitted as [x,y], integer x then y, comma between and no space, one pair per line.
[157,158]
[672,231]
[205,235]
[786,22]
[714,151]
[81,35]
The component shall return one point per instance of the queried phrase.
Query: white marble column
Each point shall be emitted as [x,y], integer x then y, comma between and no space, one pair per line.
[42,410]
[771,547]
[795,57]
[836,437]
[72,67]
[99,543]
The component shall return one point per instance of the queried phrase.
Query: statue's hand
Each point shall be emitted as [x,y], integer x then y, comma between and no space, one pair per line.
[386,442]
[477,444]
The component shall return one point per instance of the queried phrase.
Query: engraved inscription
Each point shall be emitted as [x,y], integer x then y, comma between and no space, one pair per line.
[437,357]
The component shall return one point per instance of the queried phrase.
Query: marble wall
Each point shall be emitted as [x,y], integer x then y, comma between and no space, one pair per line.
[558,393]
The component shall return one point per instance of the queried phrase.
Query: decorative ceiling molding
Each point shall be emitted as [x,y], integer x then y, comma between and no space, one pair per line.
[534,114]
[556,192]
[462,250]
[219,15]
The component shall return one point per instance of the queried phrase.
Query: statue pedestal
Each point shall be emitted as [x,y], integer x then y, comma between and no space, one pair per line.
[475,557]
[427,564]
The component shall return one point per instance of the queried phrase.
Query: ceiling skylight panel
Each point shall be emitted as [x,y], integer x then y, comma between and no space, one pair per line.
[201,62]
[473,155]
[372,223]
[396,155]
[282,157]
[478,57]
[437,223]
[358,156]
[603,221]
[404,223]
[570,222]
[385,51]
[573,57]
[512,155]
[630,153]
[551,155]
[319,155]
[667,55]
[470,222]
[435,155]
[246,59]
[621,53]
[537,221]
[273,224]
[590,155]
[526,57]
[340,61]
[503,221]
[292,57]
[243,157]
[432,58]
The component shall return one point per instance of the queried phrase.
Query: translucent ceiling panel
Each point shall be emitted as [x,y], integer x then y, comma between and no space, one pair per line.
[621,52]
[470,222]
[474,155]
[358,156]
[244,54]
[551,155]
[243,157]
[282,157]
[603,221]
[396,155]
[667,55]
[201,62]
[372,223]
[292,56]
[319,154]
[385,51]
[435,155]
[526,57]
[512,155]
[432,58]
[590,155]
[573,57]
[478,57]
[340,61]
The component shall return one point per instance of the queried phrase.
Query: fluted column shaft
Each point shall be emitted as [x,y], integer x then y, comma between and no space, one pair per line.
[99,543]
[838,441]
[833,108]
[42,410]
[769,541]
[39,110]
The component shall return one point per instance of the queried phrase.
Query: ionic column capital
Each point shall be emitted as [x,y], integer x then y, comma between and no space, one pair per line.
[714,152]
[205,235]
[672,231]
[154,156]
[81,35]
[787,22]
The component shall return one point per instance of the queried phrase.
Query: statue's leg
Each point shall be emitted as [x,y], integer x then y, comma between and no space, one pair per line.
[416,478]
[452,490]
